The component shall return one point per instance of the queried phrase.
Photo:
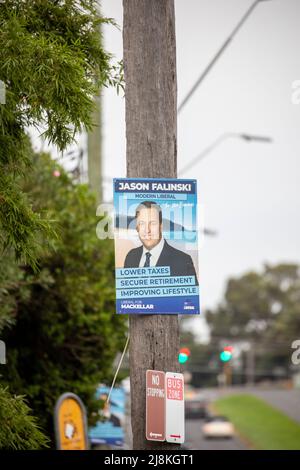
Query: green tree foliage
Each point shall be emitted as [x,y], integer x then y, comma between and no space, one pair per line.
[263,309]
[16,415]
[257,305]
[18,428]
[52,63]
[66,333]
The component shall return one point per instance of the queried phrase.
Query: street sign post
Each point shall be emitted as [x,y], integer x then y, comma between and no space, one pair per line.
[70,423]
[174,408]
[164,406]
[155,405]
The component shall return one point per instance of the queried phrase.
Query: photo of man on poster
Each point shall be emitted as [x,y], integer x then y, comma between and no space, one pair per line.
[155,251]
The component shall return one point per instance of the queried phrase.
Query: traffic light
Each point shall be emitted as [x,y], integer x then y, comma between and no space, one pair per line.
[183,356]
[226,354]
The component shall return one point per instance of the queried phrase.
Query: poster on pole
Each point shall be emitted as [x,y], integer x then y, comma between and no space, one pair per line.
[156,246]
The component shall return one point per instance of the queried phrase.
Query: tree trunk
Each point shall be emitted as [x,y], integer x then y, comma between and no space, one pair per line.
[151,101]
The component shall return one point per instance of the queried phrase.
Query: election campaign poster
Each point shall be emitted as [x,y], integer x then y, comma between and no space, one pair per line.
[156,246]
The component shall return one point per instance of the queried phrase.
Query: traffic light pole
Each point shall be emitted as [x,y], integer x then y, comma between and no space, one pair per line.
[151,133]
[228,374]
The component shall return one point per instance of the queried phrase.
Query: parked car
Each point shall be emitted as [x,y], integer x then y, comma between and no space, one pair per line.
[217,426]
[195,407]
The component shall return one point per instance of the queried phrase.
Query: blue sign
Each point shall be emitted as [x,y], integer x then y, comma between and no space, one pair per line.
[156,246]
[111,430]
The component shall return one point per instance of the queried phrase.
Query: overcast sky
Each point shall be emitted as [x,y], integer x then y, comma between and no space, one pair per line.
[249,191]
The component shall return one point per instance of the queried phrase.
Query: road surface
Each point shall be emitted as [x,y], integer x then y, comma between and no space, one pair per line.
[194,439]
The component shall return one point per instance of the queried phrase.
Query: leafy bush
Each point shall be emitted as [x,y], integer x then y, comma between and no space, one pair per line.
[19,429]
[66,332]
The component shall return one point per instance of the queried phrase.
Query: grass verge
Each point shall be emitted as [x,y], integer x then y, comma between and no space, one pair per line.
[259,423]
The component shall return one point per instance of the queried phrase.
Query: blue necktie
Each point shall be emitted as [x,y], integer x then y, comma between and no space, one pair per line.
[147,262]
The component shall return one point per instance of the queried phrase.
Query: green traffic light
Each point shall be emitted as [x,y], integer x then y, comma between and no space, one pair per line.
[182,358]
[225,356]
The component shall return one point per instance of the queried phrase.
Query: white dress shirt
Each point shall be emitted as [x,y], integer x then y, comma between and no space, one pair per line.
[155,253]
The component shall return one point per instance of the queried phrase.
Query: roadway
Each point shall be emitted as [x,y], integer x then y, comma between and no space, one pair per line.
[195,441]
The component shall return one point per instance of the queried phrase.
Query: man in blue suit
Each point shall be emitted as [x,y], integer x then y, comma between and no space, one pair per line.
[155,251]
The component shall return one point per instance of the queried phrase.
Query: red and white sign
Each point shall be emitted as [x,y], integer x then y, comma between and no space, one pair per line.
[155,405]
[174,408]
[174,388]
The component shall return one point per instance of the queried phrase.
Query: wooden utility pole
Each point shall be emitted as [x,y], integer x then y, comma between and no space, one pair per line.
[151,133]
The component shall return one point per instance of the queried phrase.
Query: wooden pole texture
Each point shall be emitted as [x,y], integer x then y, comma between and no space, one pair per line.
[151,133]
